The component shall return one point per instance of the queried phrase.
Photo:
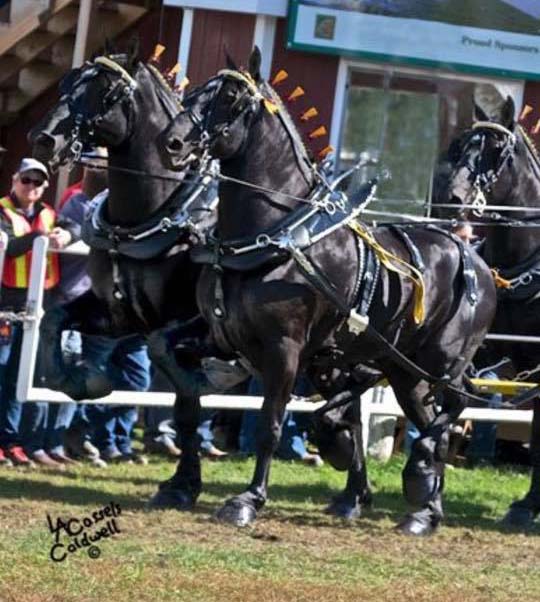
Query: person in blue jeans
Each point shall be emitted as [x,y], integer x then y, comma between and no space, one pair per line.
[127,365]
[292,445]
[481,448]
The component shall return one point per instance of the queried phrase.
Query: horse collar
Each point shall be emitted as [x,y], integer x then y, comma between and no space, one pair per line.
[155,236]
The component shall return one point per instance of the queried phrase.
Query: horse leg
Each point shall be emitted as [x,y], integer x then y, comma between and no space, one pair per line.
[348,504]
[423,475]
[183,488]
[339,435]
[523,512]
[84,314]
[279,375]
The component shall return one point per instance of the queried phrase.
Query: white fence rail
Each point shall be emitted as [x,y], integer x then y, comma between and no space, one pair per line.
[374,402]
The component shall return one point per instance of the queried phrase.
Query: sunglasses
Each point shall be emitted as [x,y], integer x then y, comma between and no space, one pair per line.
[26,180]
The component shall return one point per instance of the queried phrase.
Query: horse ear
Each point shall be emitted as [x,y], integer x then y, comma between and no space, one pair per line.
[479,113]
[133,51]
[255,64]
[508,113]
[229,61]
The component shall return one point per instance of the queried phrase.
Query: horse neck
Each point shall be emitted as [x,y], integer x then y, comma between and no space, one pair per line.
[133,197]
[507,246]
[268,160]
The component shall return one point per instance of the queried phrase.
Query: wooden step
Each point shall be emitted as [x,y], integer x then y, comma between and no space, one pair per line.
[36,42]
[53,41]
[14,33]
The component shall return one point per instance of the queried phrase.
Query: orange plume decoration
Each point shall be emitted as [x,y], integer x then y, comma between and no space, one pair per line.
[309,114]
[158,51]
[320,131]
[173,71]
[279,77]
[536,128]
[325,151]
[296,93]
[526,110]
[183,84]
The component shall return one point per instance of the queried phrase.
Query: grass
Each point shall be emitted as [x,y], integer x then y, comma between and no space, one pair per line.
[294,551]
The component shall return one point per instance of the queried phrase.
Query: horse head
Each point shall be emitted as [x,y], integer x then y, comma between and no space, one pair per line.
[217,116]
[96,108]
[481,163]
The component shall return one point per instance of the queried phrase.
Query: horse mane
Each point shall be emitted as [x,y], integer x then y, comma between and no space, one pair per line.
[162,80]
[159,78]
[304,156]
[288,120]
[529,143]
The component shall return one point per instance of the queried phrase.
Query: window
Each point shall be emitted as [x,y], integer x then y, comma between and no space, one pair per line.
[401,127]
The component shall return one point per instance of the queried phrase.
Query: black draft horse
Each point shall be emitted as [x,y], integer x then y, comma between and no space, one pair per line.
[282,324]
[495,162]
[142,279]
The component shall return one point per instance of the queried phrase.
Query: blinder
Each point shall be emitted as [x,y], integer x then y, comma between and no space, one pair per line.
[121,89]
[484,179]
[206,138]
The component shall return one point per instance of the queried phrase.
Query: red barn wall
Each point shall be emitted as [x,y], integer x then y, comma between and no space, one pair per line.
[213,33]
[316,73]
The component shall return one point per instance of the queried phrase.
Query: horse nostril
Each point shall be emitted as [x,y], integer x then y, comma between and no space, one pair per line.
[174,145]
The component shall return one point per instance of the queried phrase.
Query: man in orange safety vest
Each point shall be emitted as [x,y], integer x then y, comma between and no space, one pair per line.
[23,217]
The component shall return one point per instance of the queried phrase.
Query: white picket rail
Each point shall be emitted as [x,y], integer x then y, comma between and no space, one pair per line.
[377,401]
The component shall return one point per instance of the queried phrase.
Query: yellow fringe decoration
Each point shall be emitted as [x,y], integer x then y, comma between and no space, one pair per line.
[309,114]
[270,106]
[279,77]
[389,260]
[500,282]
[296,93]
[536,128]
[526,110]
[320,131]
[158,51]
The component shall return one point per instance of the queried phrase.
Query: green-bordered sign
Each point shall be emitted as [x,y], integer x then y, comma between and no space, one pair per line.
[499,37]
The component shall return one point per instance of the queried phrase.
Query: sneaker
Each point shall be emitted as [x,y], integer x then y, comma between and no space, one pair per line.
[111,455]
[97,462]
[89,450]
[163,445]
[213,453]
[18,456]
[134,457]
[4,460]
[62,458]
[312,460]
[42,458]
[131,457]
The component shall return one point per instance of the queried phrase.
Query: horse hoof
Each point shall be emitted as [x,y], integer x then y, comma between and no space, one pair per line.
[171,499]
[345,510]
[236,513]
[419,527]
[519,517]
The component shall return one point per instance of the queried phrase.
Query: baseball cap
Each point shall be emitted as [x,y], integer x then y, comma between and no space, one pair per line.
[29,164]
